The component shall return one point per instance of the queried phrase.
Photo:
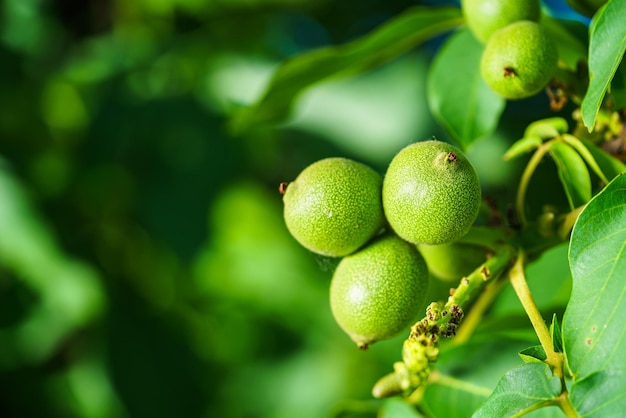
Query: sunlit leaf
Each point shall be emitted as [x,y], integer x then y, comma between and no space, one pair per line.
[395,37]
[594,322]
[607,43]
[457,94]
[520,390]
[547,128]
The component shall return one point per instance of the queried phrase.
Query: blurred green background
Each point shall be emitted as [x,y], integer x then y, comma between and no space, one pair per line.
[145,270]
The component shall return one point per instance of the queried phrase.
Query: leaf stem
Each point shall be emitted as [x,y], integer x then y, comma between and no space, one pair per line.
[566,405]
[553,359]
[474,316]
[488,271]
[518,281]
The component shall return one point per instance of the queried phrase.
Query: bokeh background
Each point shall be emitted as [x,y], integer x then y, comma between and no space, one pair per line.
[145,270]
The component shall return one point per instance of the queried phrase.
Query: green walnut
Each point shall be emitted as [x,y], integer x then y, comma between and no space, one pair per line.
[380,290]
[334,206]
[431,193]
[519,60]
[450,262]
[484,17]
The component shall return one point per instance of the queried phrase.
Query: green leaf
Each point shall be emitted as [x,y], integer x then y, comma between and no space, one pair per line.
[521,390]
[534,354]
[547,128]
[594,324]
[395,37]
[610,166]
[575,143]
[557,335]
[607,43]
[522,146]
[573,173]
[457,94]
[535,134]
[601,394]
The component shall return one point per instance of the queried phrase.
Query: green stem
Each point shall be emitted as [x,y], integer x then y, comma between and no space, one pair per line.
[525,180]
[475,281]
[553,359]
[463,385]
[518,281]
[566,405]
[473,317]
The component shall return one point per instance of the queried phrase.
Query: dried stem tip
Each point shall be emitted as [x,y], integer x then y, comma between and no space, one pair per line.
[509,72]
